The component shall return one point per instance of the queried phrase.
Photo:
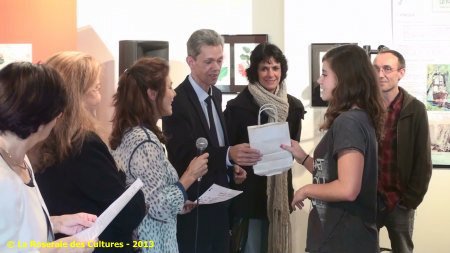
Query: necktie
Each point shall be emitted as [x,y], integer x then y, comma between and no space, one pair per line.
[212,125]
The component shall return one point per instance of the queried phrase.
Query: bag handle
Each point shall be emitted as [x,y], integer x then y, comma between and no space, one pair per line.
[267,107]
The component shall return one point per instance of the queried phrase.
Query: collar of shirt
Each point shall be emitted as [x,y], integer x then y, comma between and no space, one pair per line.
[201,94]
[396,104]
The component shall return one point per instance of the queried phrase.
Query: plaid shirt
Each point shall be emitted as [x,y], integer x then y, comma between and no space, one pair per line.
[388,176]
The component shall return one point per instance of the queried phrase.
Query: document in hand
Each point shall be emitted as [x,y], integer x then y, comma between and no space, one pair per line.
[217,193]
[267,139]
[110,213]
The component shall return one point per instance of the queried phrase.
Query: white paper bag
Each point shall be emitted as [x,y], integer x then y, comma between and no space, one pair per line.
[267,139]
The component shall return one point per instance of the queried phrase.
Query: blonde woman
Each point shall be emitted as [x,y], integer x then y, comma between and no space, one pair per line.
[77,162]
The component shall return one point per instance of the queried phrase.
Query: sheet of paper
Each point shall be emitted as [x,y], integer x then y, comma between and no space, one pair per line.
[110,213]
[217,193]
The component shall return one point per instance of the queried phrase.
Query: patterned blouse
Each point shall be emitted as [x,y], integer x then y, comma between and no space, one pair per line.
[141,155]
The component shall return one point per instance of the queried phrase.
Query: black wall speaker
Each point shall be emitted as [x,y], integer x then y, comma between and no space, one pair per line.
[132,50]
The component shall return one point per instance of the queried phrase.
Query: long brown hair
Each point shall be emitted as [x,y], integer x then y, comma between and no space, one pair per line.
[357,84]
[131,102]
[79,72]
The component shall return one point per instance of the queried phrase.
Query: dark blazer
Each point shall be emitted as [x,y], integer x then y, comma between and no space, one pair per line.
[241,112]
[188,123]
[89,182]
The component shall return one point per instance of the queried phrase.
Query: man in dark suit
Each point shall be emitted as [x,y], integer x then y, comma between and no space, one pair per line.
[189,122]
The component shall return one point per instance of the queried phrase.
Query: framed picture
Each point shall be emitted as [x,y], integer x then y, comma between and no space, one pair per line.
[439,123]
[236,51]
[318,50]
[438,87]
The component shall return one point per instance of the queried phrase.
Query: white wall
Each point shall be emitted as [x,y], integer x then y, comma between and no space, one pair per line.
[291,24]
[170,20]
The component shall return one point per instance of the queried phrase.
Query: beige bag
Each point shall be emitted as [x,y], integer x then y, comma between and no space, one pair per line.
[267,139]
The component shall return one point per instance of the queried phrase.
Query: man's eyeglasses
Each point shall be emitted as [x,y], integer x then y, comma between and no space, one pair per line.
[385,69]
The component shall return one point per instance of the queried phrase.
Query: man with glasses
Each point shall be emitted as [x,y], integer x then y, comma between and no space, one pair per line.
[404,170]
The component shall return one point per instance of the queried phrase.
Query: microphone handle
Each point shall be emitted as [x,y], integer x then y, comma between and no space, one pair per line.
[199,153]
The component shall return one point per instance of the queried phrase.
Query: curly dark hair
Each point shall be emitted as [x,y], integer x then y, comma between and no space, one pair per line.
[264,52]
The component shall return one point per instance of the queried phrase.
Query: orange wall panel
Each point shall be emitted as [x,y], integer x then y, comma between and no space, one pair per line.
[50,25]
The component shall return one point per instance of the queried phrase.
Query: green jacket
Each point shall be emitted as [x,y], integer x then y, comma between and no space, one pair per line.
[414,151]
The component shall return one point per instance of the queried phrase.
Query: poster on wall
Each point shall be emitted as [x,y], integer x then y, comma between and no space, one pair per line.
[438,87]
[14,52]
[440,139]
[441,6]
[422,34]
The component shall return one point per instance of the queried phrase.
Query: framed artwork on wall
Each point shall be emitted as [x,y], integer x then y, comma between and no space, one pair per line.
[439,123]
[438,107]
[236,51]
[438,87]
[318,50]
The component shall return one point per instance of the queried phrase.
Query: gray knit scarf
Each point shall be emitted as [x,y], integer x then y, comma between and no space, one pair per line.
[279,238]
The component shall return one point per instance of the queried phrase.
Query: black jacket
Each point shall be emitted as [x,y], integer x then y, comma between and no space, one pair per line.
[241,112]
[89,182]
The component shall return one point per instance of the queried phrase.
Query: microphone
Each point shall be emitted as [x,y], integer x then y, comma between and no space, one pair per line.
[201,144]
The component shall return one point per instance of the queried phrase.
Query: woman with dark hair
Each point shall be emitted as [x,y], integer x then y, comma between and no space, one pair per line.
[264,203]
[345,162]
[145,95]
[27,116]
[75,161]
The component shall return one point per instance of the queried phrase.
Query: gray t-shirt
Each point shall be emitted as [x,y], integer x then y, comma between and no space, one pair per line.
[345,226]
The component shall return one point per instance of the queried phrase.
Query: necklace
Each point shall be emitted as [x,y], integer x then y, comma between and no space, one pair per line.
[11,161]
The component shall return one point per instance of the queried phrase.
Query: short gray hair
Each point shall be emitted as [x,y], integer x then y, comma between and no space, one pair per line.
[201,38]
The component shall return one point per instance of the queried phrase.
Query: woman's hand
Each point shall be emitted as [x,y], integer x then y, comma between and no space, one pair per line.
[299,197]
[188,206]
[296,151]
[198,166]
[196,169]
[71,224]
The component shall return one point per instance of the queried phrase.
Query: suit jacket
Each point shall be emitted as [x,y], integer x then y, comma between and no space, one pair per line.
[188,123]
